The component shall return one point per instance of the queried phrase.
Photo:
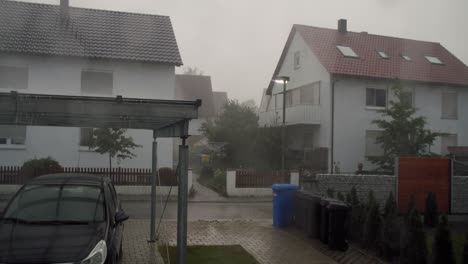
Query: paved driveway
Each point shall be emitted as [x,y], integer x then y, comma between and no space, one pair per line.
[267,244]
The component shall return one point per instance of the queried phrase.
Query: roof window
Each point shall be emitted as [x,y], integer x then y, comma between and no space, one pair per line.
[434,60]
[347,51]
[383,54]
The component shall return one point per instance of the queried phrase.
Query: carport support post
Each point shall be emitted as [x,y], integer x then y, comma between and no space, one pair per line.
[154,174]
[182,204]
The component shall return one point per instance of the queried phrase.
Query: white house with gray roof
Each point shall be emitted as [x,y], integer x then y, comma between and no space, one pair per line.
[63,50]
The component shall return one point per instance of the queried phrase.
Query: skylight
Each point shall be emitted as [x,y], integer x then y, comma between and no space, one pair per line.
[434,60]
[383,54]
[406,57]
[347,51]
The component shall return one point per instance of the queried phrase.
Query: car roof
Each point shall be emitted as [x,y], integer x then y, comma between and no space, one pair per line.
[70,178]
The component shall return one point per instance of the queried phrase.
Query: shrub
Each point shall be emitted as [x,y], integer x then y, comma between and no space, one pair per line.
[413,246]
[206,172]
[36,167]
[443,249]
[357,216]
[389,243]
[353,196]
[465,251]
[331,193]
[431,214]
[340,196]
[349,200]
[412,205]
[372,223]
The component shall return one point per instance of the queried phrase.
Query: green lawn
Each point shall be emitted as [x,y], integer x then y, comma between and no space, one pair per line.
[458,240]
[211,254]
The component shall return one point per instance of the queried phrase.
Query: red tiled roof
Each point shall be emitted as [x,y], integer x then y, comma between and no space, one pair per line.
[323,43]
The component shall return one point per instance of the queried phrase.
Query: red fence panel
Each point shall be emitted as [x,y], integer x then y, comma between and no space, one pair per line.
[419,176]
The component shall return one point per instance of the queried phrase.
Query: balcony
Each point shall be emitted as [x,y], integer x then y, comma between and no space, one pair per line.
[306,114]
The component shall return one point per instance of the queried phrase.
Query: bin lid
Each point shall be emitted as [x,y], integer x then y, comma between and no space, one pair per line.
[284,187]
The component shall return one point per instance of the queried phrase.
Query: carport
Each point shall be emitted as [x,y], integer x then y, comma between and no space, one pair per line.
[166,118]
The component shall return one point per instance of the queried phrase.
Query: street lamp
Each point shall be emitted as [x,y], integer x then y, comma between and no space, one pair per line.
[284,80]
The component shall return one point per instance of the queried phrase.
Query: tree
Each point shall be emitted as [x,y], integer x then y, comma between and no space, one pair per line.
[413,239]
[250,104]
[413,246]
[112,141]
[36,167]
[357,215]
[192,71]
[340,196]
[372,222]
[443,249]
[465,251]
[237,127]
[431,213]
[390,230]
[403,133]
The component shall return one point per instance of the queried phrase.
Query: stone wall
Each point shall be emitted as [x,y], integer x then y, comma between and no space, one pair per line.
[460,195]
[382,185]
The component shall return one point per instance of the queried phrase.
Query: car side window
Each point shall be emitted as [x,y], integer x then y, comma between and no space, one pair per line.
[112,199]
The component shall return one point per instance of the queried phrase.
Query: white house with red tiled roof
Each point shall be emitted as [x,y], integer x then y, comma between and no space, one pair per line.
[62,50]
[338,81]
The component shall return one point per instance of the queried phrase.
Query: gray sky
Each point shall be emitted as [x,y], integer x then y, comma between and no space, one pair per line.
[239,42]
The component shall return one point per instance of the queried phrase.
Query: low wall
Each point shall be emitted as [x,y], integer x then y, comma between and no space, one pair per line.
[6,190]
[233,191]
[460,195]
[382,185]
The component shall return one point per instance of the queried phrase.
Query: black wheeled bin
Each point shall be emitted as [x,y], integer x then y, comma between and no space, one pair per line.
[324,220]
[338,223]
[307,213]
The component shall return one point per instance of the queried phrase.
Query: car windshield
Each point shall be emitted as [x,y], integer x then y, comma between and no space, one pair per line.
[57,203]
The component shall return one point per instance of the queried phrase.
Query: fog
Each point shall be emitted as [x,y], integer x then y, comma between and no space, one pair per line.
[239,42]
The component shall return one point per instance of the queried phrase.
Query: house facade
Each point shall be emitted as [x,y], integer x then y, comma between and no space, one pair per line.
[340,79]
[62,50]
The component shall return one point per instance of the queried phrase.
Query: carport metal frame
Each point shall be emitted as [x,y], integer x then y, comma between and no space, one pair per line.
[166,118]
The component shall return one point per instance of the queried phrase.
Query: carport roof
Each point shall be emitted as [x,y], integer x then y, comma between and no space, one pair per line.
[83,111]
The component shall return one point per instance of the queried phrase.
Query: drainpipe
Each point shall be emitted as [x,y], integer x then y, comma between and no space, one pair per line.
[332,133]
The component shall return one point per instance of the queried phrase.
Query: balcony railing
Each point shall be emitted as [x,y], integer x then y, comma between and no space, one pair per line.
[296,114]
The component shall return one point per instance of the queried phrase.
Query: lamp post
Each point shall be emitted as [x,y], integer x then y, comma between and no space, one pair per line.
[284,80]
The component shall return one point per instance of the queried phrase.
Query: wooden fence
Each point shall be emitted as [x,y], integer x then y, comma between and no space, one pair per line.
[246,178]
[120,176]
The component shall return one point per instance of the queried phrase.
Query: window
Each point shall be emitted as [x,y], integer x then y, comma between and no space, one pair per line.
[289,98]
[434,60]
[297,60]
[449,106]
[448,141]
[407,98]
[376,97]
[373,149]
[310,94]
[383,54]
[14,77]
[12,135]
[86,136]
[96,82]
[406,57]
[347,51]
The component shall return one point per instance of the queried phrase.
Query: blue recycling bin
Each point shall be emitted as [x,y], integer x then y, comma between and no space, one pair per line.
[283,204]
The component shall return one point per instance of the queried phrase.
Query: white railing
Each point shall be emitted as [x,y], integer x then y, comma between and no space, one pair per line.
[296,114]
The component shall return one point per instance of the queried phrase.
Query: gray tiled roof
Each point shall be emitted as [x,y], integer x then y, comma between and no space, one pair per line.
[38,29]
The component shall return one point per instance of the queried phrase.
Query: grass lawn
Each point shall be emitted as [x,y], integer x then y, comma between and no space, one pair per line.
[458,240]
[211,254]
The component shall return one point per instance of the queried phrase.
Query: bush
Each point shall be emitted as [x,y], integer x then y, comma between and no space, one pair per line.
[465,251]
[340,196]
[37,167]
[412,205]
[357,216]
[413,246]
[331,193]
[372,223]
[206,172]
[431,214]
[443,249]
[389,243]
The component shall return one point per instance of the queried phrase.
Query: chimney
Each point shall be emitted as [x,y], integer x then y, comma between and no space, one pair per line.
[64,13]
[342,26]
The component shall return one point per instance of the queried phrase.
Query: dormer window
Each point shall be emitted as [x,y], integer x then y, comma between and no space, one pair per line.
[406,57]
[347,51]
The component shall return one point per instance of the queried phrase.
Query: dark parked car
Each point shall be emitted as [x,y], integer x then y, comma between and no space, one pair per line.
[63,218]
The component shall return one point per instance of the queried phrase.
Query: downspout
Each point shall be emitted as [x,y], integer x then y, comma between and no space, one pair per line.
[332,132]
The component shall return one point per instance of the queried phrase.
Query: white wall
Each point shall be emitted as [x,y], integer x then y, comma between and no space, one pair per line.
[62,75]
[352,118]
[311,70]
